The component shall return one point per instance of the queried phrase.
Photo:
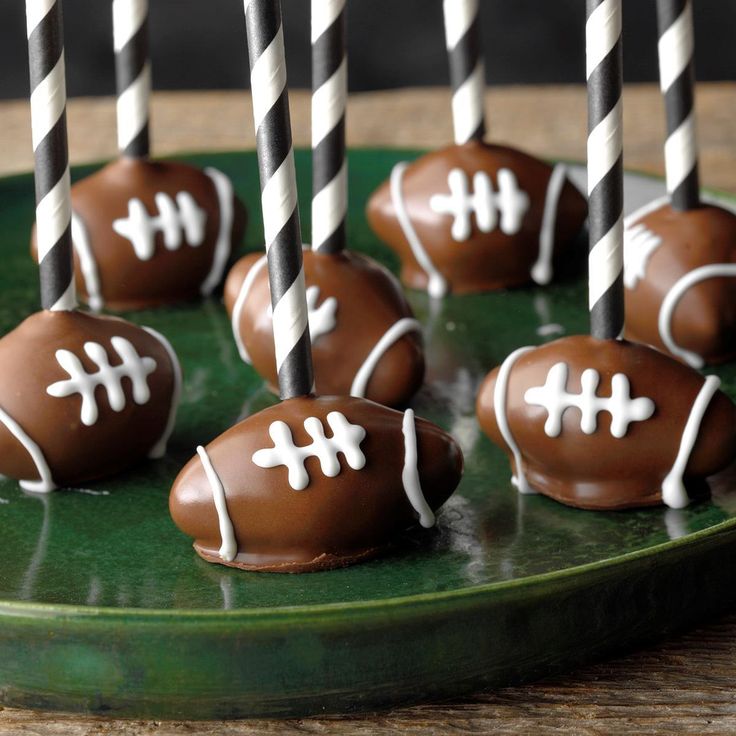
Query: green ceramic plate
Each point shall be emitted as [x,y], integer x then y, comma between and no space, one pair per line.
[104,607]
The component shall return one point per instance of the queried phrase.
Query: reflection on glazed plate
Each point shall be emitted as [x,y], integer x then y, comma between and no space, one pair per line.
[114,546]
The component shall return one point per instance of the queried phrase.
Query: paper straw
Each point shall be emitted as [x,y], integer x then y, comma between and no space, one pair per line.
[279,197]
[50,150]
[605,168]
[133,76]
[329,98]
[677,81]
[462,35]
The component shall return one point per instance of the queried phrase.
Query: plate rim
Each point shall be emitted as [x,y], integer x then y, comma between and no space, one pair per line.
[336,610]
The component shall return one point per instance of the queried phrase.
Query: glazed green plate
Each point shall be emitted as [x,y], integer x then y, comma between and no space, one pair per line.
[105,608]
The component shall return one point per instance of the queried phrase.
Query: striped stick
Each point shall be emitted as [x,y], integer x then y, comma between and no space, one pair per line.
[279,197]
[605,168]
[50,150]
[462,35]
[677,81]
[329,98]
[133,75]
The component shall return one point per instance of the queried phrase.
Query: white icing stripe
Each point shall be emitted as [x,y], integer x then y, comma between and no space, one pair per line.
[392,335]
[46,482]
[127,18]
[345,441]
[36,12]
[459,16]
[602,30]
[328,103]
[229,546]
[605,262]
[278,199]
[239,305]
[555,399]
[268,78]
[410,473]
[329,206]
[669,304]
[322,318]
[436,285]
[181,222]
[223,245]
[132,108]
[510,202]
[655,204]
[53,213]
[132,367]
[605,143]
[675,48]
[499,405]
[467,105]
[159,449]
[639,245]
[674,494]
[324,14]
[48,101]
[541,271]
[290,314]
[645,210]
[680,153]
[87,263]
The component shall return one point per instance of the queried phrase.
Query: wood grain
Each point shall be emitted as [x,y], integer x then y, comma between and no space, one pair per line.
[547,121]
[684,686]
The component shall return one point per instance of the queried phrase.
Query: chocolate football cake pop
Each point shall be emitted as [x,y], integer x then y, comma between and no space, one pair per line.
[681,251]
[82,397]
[598,422]
[148,233]
[365,340]
[313,482]
[475,216]
[607,424]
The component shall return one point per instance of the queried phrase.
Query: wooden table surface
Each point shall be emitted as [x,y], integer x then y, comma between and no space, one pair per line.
[686,685]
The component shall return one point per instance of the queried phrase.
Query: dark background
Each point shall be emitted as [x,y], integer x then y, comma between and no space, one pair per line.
[393,43]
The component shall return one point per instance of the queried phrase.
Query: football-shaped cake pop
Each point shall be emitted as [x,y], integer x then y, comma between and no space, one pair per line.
[314,483]
[680,279]
[476,217]
[365,340]
[148,233]
[607,424]
[82,397]
[681,250]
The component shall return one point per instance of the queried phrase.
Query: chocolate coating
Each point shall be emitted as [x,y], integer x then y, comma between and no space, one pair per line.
[74,452]
[486,260]
[704,319]
[368,302]
[170,274]
[598,470]
[332,522]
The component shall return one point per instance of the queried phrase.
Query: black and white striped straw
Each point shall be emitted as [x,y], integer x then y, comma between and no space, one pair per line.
[329,99]
[50,150]
[279,197]
[133,75]
[677,81]
[605,167]
[462,35]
